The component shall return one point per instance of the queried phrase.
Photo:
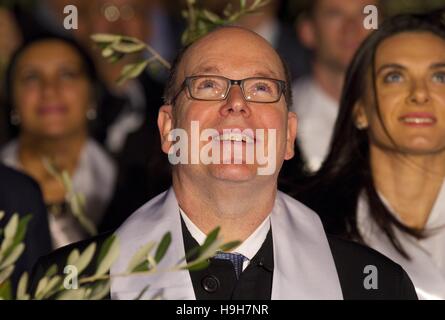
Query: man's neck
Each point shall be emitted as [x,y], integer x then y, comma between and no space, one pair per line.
[410,184]
[235,207]
[329,79]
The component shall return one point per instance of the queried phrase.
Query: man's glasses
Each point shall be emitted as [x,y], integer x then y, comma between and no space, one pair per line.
[216,88]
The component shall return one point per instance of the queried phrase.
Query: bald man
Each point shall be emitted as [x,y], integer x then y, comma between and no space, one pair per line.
[227,129]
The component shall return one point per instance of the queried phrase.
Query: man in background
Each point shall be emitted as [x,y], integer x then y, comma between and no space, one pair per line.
[333,30]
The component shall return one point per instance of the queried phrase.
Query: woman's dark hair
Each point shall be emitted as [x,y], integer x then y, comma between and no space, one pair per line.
[335,189]
[87,61]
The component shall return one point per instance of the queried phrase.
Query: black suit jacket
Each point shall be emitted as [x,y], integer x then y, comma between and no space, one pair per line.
[20,194]
[350,260]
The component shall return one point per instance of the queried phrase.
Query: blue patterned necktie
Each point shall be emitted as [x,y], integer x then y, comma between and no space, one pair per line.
[237,260]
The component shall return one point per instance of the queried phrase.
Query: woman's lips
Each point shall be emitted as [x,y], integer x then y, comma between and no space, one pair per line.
[52,110]
[418,119]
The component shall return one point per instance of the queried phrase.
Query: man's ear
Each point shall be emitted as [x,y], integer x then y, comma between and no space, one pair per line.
[292,124]
[360,117]
[165,125]
[306,33]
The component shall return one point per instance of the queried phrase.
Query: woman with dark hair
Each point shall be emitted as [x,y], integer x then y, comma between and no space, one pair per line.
[383,180]
[51,89]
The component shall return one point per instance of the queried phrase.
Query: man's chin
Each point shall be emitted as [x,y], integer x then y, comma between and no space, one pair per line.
[234,172]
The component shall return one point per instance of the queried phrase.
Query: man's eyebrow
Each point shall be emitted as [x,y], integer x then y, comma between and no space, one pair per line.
[215,70]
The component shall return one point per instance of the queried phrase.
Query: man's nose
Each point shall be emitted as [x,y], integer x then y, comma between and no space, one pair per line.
[235,103]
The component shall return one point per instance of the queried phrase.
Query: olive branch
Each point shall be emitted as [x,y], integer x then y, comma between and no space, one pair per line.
[200,21]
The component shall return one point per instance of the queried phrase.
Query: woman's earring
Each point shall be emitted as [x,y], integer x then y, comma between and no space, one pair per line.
[361,125]
[14,118]
[91,114]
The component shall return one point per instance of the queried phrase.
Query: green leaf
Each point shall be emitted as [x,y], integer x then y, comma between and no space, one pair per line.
[22,287]
[107,255]
[6,290]
[197,265]
[211,16]
[51,271]
[230,245]
[128,47]
[242,4]
[105,37]
[141,267]
[73,257]
[54,282]
[21,230]
[100,291]
[140,256]
[85,258]
[41,287]
[9,232]
[132,71]
[72,294]
[211,237]
[13,256]
[163,247]
[107,52]
[5,274]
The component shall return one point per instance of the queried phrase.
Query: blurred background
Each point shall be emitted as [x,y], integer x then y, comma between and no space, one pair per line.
[59,97]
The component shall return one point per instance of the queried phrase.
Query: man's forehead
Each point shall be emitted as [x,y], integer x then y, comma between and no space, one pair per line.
[233,50]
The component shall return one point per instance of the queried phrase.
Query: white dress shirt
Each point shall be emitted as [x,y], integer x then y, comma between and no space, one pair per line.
[248,248]
[427,265]
[94,178]
[317,113]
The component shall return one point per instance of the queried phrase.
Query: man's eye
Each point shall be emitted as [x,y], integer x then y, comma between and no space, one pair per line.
[439,77]
[393,77]
[262,87]
[207,84]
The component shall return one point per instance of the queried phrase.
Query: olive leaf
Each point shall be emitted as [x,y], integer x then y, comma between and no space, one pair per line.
[73,257]
[5,274]
[75,200]
[163,247]
[140,256]
[51,271]
[85,258]
[22,286]
[9,233]
[132,71]
[77,294]
[13,256]
[99,291]
[106,38]
[108,254]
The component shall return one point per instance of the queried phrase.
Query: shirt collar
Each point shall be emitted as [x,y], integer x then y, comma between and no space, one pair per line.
[248,248]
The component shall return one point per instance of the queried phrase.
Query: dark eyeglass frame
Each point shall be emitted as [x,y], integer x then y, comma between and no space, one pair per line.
[187,84]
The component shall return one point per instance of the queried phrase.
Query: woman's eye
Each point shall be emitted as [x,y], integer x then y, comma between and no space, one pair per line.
[29,78]
[393,77]
[68,75]
[439,77]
